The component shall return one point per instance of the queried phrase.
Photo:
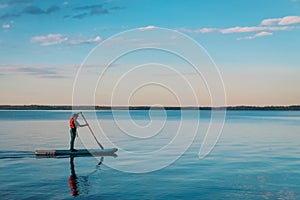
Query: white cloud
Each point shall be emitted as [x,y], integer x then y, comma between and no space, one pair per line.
[288,20]
[147,28]
[77,42]
[50,39]
[249,29]
[239,29]
[271,21]
[54,39]
[265,28]
[261,34]
[35,70]
[201,30]
[207,30]
[6,26]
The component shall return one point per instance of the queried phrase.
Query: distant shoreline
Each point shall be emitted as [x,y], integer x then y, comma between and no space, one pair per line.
[67,107]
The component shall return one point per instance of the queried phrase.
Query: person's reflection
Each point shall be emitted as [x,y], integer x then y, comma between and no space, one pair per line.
[80,184]
[73,179]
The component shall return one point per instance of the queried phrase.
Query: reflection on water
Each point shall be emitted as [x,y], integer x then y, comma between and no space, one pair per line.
[80,184]
[257,157]
[73,182]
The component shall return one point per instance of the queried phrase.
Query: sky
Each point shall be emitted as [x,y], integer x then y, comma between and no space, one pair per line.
[254,44]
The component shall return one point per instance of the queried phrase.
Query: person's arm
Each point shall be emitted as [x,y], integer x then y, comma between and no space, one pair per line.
[79,125]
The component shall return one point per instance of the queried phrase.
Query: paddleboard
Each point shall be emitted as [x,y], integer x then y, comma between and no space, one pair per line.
[79,152]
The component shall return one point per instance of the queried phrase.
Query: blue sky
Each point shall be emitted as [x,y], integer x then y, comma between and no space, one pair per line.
[254,43]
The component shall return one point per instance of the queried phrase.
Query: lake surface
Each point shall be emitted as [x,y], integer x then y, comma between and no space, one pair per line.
[256,157]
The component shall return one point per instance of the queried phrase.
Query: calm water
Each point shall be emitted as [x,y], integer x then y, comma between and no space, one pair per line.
[256,157]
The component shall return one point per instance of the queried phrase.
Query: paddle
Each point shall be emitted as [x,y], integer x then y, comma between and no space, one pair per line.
[91,131]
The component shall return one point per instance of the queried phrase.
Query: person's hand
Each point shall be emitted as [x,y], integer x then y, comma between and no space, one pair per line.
[86,124]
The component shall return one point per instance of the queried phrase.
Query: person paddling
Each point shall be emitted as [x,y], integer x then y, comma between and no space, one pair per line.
[73,130]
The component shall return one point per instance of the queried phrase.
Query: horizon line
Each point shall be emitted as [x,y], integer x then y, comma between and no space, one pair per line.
[138,107]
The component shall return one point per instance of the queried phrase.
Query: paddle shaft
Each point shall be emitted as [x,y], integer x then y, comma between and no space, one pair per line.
[91,131]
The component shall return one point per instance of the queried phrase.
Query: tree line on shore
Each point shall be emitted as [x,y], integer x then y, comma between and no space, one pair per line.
[69,107]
